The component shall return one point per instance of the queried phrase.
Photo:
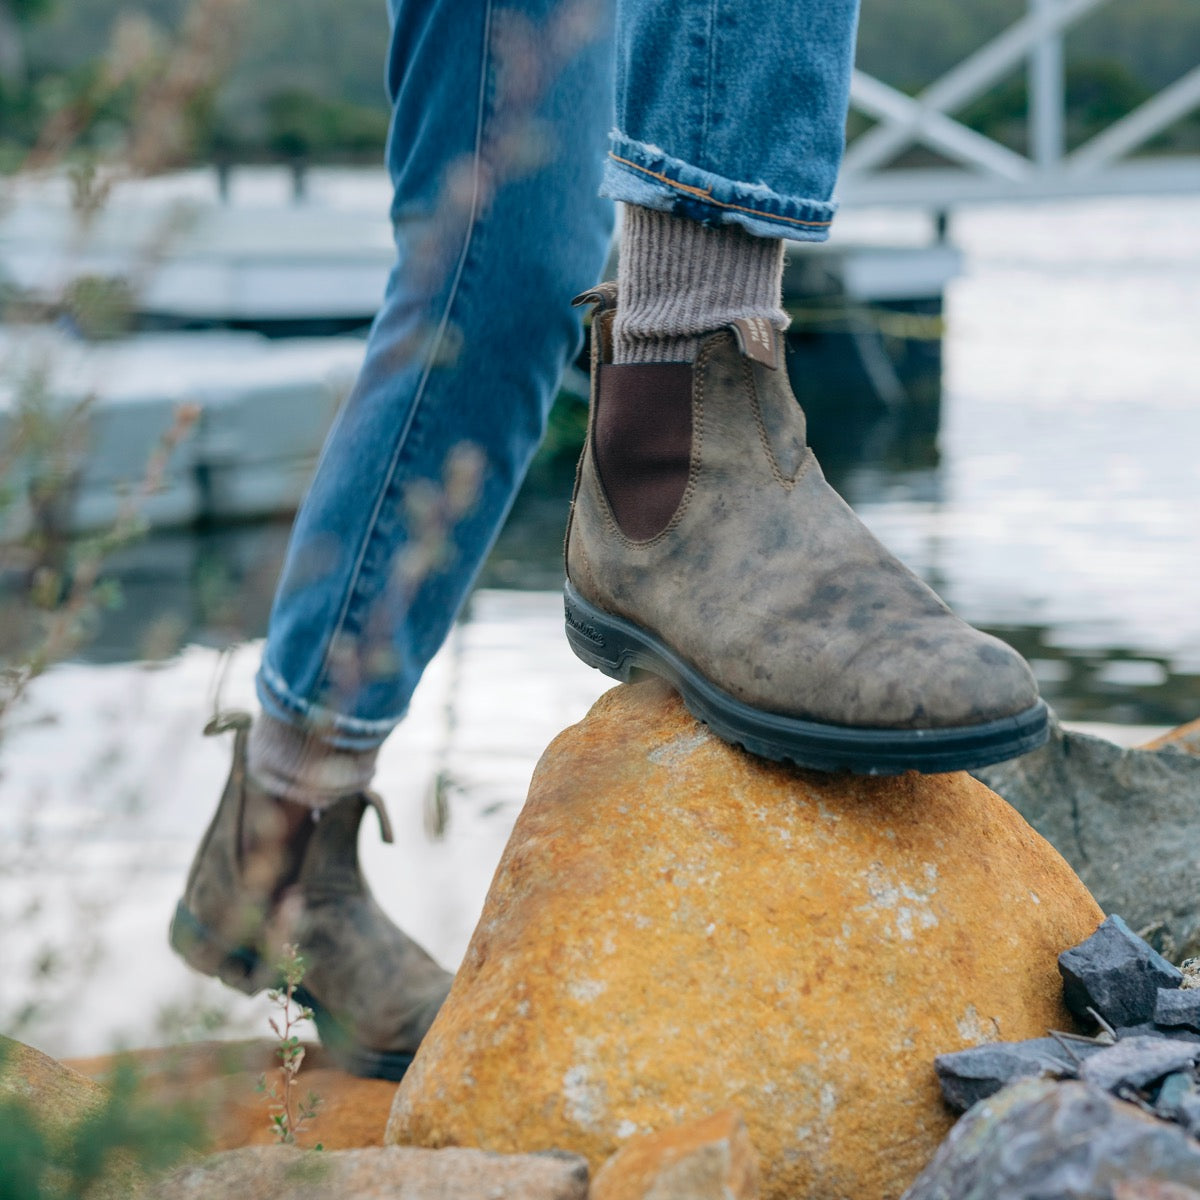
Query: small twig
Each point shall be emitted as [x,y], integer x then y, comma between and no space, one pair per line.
[1078,1037]
[1061,1039]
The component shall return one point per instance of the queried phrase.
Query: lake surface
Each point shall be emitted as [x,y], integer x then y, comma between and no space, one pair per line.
[1057,505]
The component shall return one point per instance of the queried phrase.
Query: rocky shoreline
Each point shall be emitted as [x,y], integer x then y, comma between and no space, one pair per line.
[698,974]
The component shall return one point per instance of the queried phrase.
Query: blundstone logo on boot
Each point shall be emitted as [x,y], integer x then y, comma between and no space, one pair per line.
[758,339]
[590,632]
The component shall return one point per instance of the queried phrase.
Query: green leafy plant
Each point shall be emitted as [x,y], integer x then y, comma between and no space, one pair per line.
[290,1115]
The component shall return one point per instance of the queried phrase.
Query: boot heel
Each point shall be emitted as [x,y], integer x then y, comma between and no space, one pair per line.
[241,968]
[598,642]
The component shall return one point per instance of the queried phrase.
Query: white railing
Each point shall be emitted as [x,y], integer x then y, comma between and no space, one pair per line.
[987,170]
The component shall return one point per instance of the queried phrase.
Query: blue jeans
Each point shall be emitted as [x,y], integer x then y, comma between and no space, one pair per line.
[726,111]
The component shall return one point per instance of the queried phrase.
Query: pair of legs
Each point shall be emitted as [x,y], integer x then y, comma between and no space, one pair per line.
[704,543]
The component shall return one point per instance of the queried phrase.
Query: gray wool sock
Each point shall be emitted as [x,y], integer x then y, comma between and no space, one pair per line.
[679,280]
[294,764]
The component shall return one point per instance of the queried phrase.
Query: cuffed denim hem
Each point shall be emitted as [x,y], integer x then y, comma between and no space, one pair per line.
[637,173]
[336,729]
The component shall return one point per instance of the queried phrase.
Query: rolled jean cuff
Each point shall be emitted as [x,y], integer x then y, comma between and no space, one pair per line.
[637,173]
[337,730]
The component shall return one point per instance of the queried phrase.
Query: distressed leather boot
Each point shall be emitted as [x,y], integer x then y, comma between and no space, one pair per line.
[256,885]
[705,546]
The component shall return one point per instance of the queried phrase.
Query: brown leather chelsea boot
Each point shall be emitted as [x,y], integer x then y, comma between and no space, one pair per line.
[259,882]
[705,546]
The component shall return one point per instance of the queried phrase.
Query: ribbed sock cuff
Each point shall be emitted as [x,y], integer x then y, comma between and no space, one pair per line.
[294,764]
[679,280]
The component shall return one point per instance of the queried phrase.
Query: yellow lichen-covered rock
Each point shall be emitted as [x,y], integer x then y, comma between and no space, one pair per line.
[676,928]
[1184,737]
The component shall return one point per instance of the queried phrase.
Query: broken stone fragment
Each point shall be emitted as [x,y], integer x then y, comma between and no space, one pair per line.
[710,1159]
[968,1076]
[1116,973]
[1137,1062]
[1178,1007]
[1042,1138]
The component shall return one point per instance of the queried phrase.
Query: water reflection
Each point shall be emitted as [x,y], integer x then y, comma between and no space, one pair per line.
[214,586]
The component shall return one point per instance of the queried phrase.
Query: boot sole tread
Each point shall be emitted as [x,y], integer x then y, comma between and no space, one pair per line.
[624,651]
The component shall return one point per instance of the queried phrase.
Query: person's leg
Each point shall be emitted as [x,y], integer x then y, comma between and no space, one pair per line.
[495,152]
[500,116]
[705,544]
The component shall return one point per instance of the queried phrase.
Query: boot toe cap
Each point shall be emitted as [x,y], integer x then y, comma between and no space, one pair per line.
[983,679]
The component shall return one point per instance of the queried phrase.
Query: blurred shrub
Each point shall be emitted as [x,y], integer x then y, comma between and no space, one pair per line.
[301,124]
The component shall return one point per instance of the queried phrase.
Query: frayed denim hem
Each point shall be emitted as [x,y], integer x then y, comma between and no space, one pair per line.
[637,173]
[336,729]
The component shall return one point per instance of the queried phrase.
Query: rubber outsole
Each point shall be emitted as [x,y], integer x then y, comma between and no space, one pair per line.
[200,948]
[622,649]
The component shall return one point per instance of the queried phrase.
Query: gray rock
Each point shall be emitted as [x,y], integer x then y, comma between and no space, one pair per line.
[1116,973]
[381,1173]
[1176,1007]
[968,1076]
[1149,1029]
[1137,1062]
[1175,1089]
[1187,1113]
[1119,817]
[1049,1141]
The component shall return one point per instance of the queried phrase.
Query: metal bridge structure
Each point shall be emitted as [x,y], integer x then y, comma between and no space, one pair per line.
[981,168]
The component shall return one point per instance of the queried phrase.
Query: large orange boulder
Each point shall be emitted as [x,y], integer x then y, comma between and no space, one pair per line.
[677,928]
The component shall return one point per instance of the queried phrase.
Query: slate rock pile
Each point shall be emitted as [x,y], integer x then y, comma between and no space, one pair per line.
[1046,1139]
[1146,1050]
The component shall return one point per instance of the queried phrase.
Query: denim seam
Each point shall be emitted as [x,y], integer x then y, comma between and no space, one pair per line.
[431,358]
[710,68]
[706,195]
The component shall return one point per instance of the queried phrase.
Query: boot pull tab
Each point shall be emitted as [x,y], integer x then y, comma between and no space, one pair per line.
[603,295]
[385,822]
[223,722]
[759,341]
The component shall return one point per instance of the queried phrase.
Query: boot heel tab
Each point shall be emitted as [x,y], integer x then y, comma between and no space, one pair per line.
[759,341]
[223,722]
[375,801]
[603,296]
